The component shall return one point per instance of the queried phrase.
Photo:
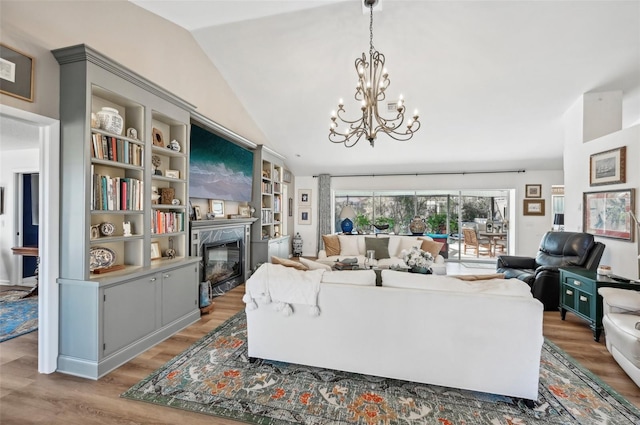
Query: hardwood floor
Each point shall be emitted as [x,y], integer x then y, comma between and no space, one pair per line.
[27,397]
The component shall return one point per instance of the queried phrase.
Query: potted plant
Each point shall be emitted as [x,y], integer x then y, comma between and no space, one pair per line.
[362,223]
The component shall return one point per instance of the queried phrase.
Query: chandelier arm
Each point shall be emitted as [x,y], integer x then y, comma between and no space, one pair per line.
[373,81]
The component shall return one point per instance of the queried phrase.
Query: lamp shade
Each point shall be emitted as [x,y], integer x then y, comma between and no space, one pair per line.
[347,212]
[558,219]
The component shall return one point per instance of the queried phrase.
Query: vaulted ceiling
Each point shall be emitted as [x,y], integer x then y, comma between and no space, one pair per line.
[491,79]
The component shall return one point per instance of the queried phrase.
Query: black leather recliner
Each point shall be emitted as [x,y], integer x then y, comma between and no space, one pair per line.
[557,249]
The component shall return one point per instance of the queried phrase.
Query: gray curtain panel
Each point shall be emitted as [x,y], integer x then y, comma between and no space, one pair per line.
[324,208]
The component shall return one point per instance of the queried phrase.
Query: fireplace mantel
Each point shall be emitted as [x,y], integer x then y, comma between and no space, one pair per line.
[198,224]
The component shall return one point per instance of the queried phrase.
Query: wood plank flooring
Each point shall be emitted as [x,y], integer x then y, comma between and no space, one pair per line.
[27,397]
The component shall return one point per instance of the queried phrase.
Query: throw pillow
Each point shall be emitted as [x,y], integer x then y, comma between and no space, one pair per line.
[432,247]
[331,244]
[406,243]
[314,265]
[348,246]
[379,245]
[288,263]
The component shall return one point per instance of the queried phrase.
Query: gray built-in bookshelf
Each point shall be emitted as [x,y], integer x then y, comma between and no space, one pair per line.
[126,280]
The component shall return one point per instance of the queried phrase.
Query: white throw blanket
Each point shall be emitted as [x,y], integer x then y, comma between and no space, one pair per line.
[283,286]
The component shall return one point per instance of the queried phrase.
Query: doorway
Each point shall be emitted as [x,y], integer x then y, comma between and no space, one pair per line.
[48,136]
[27,224]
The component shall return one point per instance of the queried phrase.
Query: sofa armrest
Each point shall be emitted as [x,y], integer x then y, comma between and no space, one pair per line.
[617,300]
[551,269]
[322,254]
[515,262]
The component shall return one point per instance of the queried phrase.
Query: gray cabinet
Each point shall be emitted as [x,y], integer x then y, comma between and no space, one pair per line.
[105,324]
[129,312]
[120,293]
[279,247]
[176,297]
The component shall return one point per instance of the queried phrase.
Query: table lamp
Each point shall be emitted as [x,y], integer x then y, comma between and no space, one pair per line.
[346,215]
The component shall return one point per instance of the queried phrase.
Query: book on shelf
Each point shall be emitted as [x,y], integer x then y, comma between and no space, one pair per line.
[167,222]
[116,193]
[115,149]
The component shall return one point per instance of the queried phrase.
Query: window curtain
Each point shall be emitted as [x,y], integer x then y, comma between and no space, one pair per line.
[324,208]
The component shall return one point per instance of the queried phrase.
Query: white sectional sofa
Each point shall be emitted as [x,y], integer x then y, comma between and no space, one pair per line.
[481,335]
[355,246]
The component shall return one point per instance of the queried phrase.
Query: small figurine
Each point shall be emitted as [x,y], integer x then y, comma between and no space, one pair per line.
[156,161]
[132,133]
[126,228]
[170,252]
[174,145]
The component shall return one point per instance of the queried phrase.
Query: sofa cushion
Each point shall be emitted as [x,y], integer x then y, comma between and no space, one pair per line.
[331,244]
[479,276]
[352,277]
[406,243]
[506,287]
[348,245]
[314,265]
[379,245]
[288,263]
[431,247]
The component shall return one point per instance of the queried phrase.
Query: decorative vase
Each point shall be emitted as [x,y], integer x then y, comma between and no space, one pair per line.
[417,226]
[110,120]
[422,270]
[346,225]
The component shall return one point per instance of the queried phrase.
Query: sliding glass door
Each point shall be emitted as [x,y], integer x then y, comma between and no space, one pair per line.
[445,213]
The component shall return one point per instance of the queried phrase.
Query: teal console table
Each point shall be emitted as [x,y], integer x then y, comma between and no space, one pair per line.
[579,295]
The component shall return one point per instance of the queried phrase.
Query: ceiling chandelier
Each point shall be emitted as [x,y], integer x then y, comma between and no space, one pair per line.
[373,80]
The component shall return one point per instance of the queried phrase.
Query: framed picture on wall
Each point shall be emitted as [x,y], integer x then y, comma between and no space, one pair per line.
[304,197]
[16,73]
[608,167]
[286,176]
[533,207]
[606,214]
[304,215]
[533,191]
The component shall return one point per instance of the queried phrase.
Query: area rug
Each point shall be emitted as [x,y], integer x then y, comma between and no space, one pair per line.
[214,377]
[18,315]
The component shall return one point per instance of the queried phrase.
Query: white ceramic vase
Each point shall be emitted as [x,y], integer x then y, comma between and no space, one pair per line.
[110,120]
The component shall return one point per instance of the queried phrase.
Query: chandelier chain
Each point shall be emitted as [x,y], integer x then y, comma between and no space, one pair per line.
[371,49]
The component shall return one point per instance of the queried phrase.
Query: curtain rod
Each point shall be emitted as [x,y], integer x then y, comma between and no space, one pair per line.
[426,174]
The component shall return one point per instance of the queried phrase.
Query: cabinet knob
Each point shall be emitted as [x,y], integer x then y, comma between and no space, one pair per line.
[153,279]
[166,276]
[577,282]
[583,298]
[569,292]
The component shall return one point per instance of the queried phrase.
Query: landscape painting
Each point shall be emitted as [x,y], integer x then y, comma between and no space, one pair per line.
[218,168]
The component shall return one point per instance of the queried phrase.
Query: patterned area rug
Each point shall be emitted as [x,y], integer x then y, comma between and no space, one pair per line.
[215,377]
[18,315]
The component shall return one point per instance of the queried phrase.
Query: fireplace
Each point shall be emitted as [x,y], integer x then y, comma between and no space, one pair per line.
[223,248]
[222,261]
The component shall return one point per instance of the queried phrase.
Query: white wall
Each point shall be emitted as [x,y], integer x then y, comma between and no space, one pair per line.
[528,229]
[12,161]
[620,255]
[143,42]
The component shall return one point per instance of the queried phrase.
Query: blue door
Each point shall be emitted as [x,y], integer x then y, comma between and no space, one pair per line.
[29,221]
